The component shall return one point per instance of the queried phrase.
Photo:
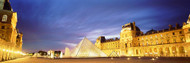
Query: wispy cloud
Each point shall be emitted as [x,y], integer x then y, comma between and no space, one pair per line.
[107,32]
[70,44]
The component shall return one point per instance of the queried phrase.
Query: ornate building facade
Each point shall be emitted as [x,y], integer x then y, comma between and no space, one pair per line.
[171,42]
[10,38]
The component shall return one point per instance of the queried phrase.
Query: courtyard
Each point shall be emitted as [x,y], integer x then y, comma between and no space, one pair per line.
[102,60]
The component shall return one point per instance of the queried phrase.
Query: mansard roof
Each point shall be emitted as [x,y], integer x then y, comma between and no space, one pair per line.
[7,5]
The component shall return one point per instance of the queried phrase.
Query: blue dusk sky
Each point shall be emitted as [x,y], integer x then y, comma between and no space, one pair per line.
[56,24]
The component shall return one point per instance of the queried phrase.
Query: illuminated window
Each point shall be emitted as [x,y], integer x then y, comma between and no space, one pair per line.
[125,35]
[143,44]
[182,40]
[174,40]
[168,41]
[167,35]
[2,35]
[4,18]
[156,42]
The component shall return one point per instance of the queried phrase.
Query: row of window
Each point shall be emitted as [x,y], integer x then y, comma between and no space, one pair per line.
[156,36]
[163,38]
[161,51]
[168,41]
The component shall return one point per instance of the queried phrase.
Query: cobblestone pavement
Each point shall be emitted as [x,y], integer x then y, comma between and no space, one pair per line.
[101,60]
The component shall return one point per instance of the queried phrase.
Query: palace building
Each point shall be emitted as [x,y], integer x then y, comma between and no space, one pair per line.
[10,37]
[171,42]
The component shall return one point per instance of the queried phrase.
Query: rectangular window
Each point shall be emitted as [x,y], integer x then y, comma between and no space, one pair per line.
[168,41]
[182,40]
[2,27]
[180,32]
[173,33]
[167,35]
[125,35]
[125,44]
[174,40]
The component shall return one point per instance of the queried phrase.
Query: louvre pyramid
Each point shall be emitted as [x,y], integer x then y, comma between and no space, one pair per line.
[67,52]
[113,54]
[87,49]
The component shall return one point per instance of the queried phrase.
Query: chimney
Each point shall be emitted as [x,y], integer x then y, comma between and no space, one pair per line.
[184,23]
[152,32]
[157,31]
[170,27]
[134,26]
[102,39]
[133,22]
[176,26]
[122,26]
[163,30]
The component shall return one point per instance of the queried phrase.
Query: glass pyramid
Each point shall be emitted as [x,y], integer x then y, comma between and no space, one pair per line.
[67,52]
[87,49]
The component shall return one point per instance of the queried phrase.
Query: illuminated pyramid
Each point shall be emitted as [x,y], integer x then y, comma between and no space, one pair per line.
[67,52]
[114,54]
[87,49]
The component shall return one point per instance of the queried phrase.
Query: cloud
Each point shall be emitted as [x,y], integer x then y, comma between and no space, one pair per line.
[70,44]
[61,23]
[108,32]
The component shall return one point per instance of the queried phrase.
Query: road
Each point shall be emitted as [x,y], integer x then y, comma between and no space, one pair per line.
[101,60]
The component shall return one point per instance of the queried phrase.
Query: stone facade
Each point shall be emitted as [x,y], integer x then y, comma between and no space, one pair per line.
[10,38]
[172,42]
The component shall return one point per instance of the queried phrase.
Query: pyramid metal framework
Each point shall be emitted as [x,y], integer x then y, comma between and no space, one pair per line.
[114,54]
[87,49]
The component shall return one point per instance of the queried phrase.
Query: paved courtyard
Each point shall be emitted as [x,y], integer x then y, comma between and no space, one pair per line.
[101,60]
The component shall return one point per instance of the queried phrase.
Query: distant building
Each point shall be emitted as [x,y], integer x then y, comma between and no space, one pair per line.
[42,53]
[174,41]
[55,54]
[10,37]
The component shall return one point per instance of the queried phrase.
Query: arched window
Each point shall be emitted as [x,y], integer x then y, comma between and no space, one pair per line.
[126,45]
[167,50]
[161,51]
[182,40]
[4,18]
[181,50]
[155,50]
[137,52]
[174,50]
